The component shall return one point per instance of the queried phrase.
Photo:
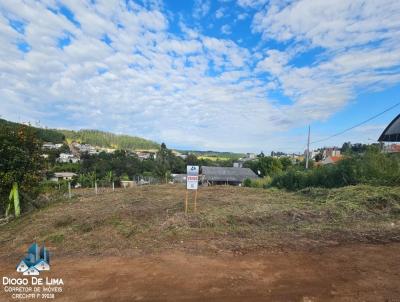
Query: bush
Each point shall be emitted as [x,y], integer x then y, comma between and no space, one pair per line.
[372,167]
[258,183]
[247,182]
[20,162]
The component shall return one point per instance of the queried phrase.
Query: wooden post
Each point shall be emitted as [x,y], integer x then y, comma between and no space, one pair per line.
[95,187]
[186,202]
[195,201]
[113,186]
[69,190]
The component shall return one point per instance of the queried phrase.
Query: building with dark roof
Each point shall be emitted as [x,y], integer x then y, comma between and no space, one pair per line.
[225,175]
[392,131]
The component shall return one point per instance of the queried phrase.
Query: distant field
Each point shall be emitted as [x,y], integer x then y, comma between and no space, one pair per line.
[214,158]
[214,155]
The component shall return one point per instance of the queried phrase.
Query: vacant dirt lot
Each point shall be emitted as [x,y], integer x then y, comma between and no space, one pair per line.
[242,245]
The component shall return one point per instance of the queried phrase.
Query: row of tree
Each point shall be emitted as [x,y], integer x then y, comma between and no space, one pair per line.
[125,165]
[110,140]
[370,167]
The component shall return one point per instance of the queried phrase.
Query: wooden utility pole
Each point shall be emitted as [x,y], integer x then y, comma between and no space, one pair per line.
[186,202]
[195,202]
[308,148]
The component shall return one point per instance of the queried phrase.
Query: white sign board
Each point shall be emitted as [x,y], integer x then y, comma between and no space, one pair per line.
[192,177]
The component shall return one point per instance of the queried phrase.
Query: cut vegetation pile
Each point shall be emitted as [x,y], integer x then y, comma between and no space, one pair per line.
[150,219]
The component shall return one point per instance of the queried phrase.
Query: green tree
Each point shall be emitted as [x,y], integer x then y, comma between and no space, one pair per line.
[286,163]
[20,162]
[319,156]
[191,160]
[265,166]
[346,147]
[162,164]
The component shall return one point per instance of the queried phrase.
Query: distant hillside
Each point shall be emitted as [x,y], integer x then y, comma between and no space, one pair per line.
[46,135]
[92,137]
[109,140]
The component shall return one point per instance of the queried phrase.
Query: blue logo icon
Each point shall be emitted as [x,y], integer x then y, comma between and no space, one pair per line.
[37,260]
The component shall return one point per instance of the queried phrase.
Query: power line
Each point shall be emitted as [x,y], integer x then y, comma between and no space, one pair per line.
[357,125]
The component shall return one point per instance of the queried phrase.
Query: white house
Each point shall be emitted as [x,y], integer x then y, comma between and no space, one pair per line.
[58,176]
[51,146]
[22,266]
[332,151]
[85,148]
[32,271]
[67,158]
[42,266]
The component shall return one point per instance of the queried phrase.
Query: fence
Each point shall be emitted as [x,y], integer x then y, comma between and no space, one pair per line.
[103,186]
[66,189]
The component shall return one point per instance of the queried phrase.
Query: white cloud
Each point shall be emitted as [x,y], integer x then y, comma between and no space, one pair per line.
[219,13]
[330,25]
[251,3]
[242,16]
[151,83]
[226,29]
[192,90]
[358,44]
[201,8]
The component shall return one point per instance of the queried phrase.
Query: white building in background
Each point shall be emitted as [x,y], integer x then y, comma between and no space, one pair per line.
[58,176]
[313,153]
[84,148]
[238,164]
[67,158]
[334,151]
[142,155]
[251,156]
[51,146]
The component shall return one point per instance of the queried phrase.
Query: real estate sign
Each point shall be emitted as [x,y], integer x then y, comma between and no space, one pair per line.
[192,177]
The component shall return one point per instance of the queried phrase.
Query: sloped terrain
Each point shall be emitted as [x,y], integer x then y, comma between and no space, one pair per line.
[312,245]
[151,218]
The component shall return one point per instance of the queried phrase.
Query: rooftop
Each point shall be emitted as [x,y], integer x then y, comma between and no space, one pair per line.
[226,173]
[392,131]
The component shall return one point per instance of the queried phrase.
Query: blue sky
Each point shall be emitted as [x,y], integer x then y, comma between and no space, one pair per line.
[244,75]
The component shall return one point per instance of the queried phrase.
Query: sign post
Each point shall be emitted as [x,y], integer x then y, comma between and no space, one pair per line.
[192,183]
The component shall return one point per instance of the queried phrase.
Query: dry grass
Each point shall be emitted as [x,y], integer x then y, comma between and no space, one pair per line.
[150,218]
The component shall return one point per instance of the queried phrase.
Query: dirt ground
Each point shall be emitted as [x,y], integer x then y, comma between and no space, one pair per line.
[349,273]
[243,244]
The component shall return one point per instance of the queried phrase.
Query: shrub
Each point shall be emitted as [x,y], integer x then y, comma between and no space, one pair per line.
[20,162]
[372,167]
[258,183]
[247,182]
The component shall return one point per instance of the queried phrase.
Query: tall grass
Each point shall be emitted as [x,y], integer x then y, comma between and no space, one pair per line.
[372,167]
[258,183]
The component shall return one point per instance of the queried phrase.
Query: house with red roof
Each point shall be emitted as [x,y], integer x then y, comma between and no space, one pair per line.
[330,160]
